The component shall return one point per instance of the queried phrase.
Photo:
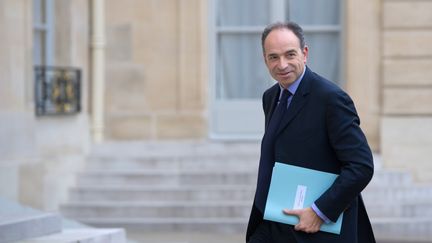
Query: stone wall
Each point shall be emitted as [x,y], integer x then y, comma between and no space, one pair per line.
[406,62]
[155,69]
[40,155]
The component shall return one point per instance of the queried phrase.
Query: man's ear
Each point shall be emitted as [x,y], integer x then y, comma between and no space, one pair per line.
[305,53]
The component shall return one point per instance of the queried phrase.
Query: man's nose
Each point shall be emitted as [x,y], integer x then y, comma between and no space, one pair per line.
[283,63]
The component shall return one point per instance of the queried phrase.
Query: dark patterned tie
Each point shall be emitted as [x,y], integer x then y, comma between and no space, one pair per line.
[267,152]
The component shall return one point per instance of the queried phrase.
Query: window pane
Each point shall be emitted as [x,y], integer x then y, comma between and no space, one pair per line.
[241,71]
[314,12]
[242,12]
[38,48]
[38,11]
[324,54]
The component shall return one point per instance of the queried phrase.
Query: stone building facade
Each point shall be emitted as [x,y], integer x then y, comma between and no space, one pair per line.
[159,83]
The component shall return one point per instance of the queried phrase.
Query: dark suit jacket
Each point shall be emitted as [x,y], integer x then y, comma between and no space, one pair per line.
[321,131]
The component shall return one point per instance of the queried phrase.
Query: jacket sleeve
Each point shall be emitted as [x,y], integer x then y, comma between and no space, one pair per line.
[353,152]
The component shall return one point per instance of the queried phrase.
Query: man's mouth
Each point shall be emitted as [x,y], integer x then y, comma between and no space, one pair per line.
[284,73]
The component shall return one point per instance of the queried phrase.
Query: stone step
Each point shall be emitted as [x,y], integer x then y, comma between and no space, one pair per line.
[179,209]
[161,177]
[400,229]
[187,162]
[391,229]
[390,178]
[162,193]
[382,178]
[218,192]
[83,235]
[219,224]
[22,225]
[215,209]
[397,193]
[400,209]
[137,149]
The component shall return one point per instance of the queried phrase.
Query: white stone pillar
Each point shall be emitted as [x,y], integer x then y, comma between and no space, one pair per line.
[98,69]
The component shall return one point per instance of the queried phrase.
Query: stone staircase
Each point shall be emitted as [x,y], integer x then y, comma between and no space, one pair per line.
[209,186]
[400,209]
[167,186]
[23,224]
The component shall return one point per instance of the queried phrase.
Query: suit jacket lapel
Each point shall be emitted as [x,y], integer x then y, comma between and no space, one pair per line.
[273,102]
[298,101]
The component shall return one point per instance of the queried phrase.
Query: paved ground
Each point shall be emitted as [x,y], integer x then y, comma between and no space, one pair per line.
[170,237]
[183,237]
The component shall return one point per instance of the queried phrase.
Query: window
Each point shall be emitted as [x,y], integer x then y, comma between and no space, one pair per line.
[239,70]
[43,32]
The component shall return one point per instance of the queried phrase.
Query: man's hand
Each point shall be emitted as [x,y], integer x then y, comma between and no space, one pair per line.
[309,221]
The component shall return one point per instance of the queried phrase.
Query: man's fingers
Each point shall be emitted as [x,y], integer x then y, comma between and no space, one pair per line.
[292,212]
[308,222]
[301,227]
[298,227]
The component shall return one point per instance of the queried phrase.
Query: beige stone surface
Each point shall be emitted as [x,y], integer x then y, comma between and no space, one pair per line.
[17,137]
[181,126]
[403,72]
[407,13]
[9,181]
[362,54]
[408,101]
[129,127]
[126,89]
[407,143]
[16,79]
[155,46]
[190,58]
[407,43]
[406,140]
[45,181]
[119,43]
[424,175]
[154,61]
[143,35]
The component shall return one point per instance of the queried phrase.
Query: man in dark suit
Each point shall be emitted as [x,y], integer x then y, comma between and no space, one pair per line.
[312,123]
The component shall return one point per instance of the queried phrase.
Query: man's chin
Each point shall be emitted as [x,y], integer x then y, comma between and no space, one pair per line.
[285,82]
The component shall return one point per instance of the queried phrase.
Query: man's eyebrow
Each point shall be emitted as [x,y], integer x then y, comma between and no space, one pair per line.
[271,54]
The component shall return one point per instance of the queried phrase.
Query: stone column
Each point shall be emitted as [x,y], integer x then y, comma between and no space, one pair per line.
[98,68]
[362,52]
[17,138]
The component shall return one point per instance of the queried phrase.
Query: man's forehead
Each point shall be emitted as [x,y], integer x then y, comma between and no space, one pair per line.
[281,38]
[274,51]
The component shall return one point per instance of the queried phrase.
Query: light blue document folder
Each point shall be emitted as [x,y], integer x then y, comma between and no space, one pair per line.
[297,187]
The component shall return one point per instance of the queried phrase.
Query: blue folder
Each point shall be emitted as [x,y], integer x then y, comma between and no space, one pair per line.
[297,187]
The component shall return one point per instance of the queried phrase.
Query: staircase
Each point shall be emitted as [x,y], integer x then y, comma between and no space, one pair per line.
[167,186]
[209,186]
[400,209]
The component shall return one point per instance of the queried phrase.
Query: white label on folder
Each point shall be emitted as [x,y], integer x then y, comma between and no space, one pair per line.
[300,197]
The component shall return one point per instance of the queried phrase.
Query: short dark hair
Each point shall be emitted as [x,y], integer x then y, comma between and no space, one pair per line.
[289,25]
